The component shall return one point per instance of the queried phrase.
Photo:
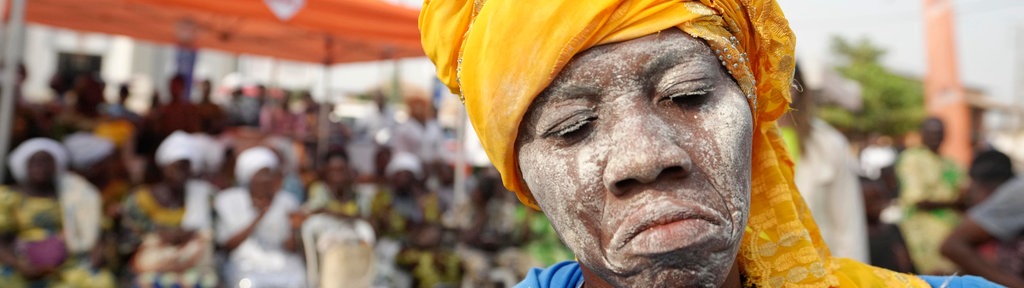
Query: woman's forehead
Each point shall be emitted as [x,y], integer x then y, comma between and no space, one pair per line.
[644,56]
[41,155]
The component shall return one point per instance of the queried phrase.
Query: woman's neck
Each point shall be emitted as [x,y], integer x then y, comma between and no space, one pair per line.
[40,190]
[168,196]
[592,280]
[341,193]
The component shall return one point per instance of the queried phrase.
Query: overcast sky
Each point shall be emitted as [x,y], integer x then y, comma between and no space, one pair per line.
[985,35]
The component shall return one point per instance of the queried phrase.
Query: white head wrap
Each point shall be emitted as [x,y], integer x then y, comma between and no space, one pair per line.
[87,149]
[18,159]
[286,148]
[405,161]
[179,146]
[253,160]
[212,152]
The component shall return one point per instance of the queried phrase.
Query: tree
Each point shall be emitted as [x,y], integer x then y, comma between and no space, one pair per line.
[893,104]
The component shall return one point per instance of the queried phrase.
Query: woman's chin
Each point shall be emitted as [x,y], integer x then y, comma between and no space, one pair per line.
[704,262]
[710,275]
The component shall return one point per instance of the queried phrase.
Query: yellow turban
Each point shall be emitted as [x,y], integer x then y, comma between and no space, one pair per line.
[499,55]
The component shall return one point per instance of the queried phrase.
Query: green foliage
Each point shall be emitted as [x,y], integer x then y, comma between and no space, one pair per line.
[893,104]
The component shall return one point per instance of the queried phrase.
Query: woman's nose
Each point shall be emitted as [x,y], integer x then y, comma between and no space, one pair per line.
[653,154]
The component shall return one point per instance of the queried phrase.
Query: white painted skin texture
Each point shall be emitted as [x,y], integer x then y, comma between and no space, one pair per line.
[653,123]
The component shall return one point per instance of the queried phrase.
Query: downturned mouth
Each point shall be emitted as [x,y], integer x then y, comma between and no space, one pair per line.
[655,215]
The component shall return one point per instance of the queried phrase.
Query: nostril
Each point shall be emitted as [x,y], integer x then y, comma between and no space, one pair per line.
[623,185]
[674,171]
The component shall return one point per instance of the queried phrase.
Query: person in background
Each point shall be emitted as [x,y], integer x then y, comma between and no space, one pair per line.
[244,111]
[49,222]
[274,116]
[420,135]
[336,234]
[119,109]
[405,203]
[879,153]
[253,225]
[378,126]
[407,214]
[929,197]
[288,155]
[490,231]
[167,225]
[825,176]
[886,246]
[96,160]
[211,116]
[997,197]
[177,115]
[333,193]
[26,122]
[83,112]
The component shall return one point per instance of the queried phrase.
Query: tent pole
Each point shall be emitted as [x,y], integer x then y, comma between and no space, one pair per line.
[323,131]
[461,194]
[12,58]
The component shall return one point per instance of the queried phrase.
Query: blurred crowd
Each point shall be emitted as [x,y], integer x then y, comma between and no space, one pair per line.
[196,194]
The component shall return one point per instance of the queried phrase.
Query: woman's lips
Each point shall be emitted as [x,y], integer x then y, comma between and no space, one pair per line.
[665,225]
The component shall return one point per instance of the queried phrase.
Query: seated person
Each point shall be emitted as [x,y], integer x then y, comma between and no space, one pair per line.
[168,224]
[49,222]
[998,216]
[885,240]
[409,214]
[333,194]
[253,225]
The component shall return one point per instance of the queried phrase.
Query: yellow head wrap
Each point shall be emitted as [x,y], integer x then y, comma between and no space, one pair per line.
[499,55]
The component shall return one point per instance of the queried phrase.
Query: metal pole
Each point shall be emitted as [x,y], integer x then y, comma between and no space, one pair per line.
[324,129]
[12,58]
[461,194]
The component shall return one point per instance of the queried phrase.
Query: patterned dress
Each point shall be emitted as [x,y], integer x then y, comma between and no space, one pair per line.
[925,176]
[144,218]
[37,226]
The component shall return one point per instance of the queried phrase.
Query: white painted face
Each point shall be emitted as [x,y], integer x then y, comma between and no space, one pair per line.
[639,153]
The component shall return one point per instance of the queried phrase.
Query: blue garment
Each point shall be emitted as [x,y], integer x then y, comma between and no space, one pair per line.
[563,274]
[567,274]
[958,281]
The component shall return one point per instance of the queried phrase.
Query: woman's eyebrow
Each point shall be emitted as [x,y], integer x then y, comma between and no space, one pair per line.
[565,92]
[671,58]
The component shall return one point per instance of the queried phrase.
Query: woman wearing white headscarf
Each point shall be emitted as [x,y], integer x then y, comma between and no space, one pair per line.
[253,225]
[49,222]
[168,224]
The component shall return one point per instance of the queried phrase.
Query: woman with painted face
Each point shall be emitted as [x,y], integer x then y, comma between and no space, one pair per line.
[645,130]
[49,222]
[254,228]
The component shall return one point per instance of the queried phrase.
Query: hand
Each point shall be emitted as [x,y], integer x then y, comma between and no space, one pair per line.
[932,205]
[96,259]
[177,236]
[29,272]
[113,211]
[261,205]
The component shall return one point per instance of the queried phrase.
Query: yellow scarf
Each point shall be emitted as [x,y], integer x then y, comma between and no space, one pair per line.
[499,55]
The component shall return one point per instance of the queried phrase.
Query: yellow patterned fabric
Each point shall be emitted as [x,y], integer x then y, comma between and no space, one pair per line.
[498,55]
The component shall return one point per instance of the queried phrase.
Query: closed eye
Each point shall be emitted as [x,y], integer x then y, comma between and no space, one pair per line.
[685,97]
[572,128]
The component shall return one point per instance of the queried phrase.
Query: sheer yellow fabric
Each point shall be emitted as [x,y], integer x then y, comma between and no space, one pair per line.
[499,55]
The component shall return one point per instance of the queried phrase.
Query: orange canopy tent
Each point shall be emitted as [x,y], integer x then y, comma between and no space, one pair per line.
[321,31]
